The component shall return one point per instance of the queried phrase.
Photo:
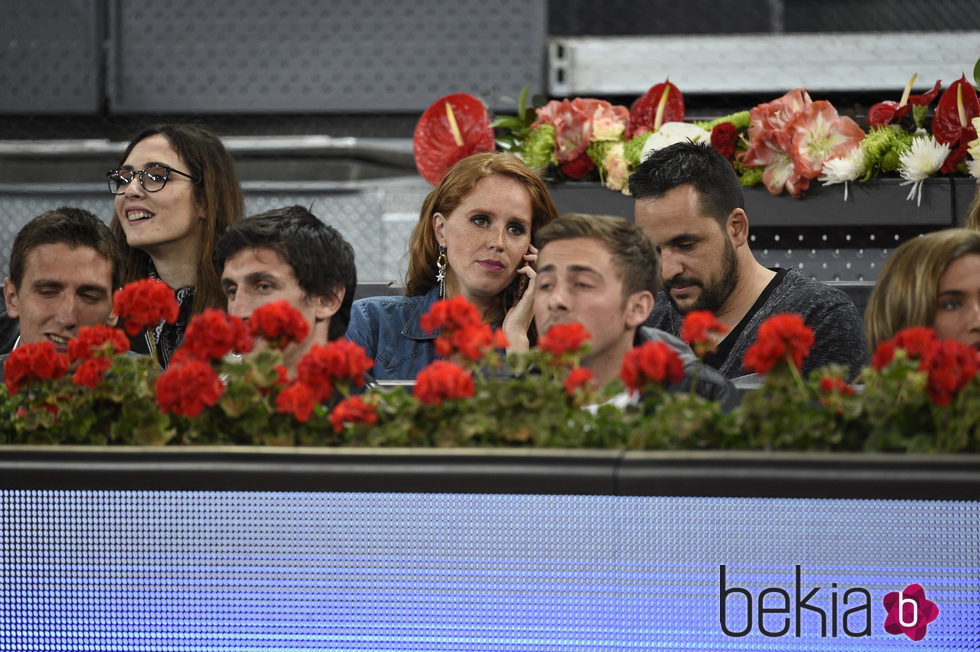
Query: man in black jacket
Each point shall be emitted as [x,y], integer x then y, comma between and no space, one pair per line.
[603,273]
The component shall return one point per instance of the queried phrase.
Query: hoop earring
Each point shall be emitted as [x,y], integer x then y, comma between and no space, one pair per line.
[441,265]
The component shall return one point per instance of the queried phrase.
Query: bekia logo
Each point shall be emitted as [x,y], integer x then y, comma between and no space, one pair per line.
[835,609]
[909,612]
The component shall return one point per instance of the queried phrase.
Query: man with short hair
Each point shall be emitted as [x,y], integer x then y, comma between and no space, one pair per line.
[64,266]
[288,254]
[602,272]
[690,204]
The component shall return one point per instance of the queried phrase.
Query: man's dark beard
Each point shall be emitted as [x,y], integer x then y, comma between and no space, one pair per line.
[712,297]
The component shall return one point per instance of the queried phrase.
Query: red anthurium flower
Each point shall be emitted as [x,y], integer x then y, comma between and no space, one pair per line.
[956,108]
[454,127]
[952,124]
[889,111]
[663,100]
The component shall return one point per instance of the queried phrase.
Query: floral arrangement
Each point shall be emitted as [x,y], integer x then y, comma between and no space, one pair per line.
[786,144]
[919,393]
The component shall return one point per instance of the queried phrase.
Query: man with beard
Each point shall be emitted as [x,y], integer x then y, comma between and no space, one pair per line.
[690,204]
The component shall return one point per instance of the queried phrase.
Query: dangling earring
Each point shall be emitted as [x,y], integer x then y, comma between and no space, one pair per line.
[441,271]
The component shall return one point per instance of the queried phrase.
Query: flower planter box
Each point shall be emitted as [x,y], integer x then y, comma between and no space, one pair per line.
[879,202]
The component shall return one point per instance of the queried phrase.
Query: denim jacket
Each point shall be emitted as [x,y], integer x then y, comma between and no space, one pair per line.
[388,329]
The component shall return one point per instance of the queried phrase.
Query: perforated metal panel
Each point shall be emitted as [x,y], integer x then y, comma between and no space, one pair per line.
[305,55]
[50,57]
[832,253]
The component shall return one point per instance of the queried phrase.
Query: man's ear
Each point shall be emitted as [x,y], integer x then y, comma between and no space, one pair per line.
[737,227]
[326,306]
[638,308]
[439,228]
[10,297]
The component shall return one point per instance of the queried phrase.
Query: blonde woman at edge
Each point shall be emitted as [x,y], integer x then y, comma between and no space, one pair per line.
[932,280]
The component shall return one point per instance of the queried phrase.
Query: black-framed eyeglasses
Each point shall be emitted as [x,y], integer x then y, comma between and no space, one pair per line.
[153,178]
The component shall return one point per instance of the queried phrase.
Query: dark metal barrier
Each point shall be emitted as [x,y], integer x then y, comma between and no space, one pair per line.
[497,471]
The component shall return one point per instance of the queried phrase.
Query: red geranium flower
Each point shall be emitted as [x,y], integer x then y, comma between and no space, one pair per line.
[187,388]
[950,365]
[564,338]
[443,380]
[352,410]
[724,135]
[92,340]
[89,373]
[651,362]
[781,337]
[213,334]
[451,314]
[460,328]
[279,324]
[298,399]
[915,340]
[697,329]
[143,303]
[835,385]
[32,362]
[338,361]
[577,378]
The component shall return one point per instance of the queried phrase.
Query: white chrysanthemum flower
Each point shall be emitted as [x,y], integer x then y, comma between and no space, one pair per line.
[921,162]
[973,167]
[844,169]
[674,132]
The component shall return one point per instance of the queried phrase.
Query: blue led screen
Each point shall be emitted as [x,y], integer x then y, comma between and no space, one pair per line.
[202,571]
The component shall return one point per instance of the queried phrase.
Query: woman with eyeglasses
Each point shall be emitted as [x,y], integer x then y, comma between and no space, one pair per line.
[176,191]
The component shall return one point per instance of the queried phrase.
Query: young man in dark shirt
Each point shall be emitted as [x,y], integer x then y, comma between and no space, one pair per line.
[288,254]
[690,204]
